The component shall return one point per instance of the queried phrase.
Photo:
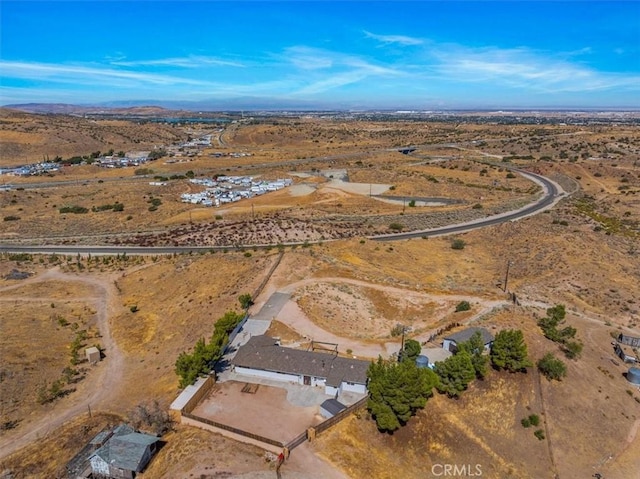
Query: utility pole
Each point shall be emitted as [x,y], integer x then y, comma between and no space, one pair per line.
[506,276]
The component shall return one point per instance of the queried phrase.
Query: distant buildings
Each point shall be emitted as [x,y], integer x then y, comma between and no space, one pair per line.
[228,189]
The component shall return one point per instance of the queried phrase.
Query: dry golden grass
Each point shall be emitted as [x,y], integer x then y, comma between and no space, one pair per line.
[192,452]
[178,302]
[586,417]
[27,138]
[38,327]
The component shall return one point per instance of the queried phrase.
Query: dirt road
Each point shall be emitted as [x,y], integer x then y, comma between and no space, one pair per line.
[295,318]
[100,385]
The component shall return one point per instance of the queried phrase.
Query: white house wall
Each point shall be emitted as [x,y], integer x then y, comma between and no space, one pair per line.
[353,388]
[283,377]
[331,391]
[320,382]
[99,466]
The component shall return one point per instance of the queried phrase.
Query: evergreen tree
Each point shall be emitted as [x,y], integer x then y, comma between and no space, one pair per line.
[509,351]
[455,373]
[475,347]
[397,391]
[411,350]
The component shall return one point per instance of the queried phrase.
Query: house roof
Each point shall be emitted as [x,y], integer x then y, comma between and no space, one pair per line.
[126,449]
[436,354]
[262,352]
[465,335]
[333,406]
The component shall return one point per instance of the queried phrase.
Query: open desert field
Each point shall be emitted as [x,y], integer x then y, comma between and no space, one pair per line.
[315,241]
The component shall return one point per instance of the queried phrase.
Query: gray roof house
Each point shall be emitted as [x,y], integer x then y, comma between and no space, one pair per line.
[123,454]
[263,357]
[450,343]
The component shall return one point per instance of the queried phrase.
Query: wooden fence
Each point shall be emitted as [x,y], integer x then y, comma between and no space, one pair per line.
[235,430]
[323,426]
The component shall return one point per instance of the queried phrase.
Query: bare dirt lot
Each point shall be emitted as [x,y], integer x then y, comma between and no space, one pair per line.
[259,409]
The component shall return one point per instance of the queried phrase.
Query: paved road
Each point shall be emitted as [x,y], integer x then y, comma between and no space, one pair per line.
[551,195]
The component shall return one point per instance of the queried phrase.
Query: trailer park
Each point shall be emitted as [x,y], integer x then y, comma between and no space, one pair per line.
[228,189]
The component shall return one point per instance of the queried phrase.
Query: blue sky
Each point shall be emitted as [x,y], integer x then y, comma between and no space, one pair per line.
[362,54]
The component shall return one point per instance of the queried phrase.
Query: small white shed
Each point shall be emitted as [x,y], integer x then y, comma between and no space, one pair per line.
[93,355]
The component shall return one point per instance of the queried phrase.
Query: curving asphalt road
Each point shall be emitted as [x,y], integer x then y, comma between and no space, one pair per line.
[551,195]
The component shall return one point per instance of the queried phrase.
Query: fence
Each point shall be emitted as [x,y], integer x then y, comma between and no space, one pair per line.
[295,442]
[259,289]
[235,430]
[323,426]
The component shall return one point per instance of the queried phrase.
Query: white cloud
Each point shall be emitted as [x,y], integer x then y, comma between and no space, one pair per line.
[82,74]
[523,68]
[324,70]
[191,61]
[391,39]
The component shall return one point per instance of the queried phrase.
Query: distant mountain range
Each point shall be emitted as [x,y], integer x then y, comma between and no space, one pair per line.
[256,104]
[156,107]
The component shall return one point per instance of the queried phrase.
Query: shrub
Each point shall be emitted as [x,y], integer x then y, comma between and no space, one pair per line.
[572,349]
[396,226]
[539,434]
[477,206]
[463,306]
[11,218]
[525,422]
[458,244]
[510,175]
[534,419]
[412,203]
[134,308]
[75,209]
[397,330]
[552,368]
[245,300]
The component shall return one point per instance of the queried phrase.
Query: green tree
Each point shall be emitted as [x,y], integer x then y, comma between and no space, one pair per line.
[509,351]
[475,347]
[549,325]
[463,306]
[455,373]
[411,350]
[189,366]
[397,391]
[552,368]
[245,300]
